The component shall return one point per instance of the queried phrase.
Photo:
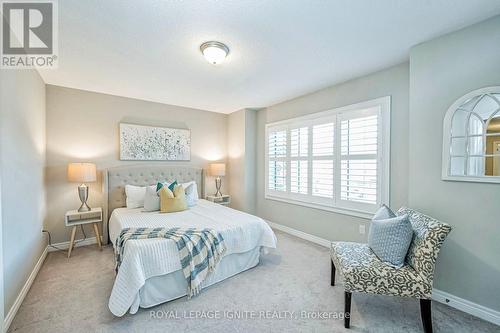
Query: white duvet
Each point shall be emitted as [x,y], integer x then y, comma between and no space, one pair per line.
[146,258]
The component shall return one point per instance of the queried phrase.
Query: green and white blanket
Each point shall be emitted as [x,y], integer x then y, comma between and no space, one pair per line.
[200,250]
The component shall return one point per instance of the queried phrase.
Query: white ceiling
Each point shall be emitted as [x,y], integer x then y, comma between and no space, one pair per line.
[279,49]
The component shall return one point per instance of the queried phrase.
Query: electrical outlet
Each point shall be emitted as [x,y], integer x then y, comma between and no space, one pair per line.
[362,229]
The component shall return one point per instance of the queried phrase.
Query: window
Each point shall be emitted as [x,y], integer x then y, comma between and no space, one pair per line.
[471,137]
[336,160]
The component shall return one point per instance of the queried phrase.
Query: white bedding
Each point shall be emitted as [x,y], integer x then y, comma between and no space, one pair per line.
[147,258]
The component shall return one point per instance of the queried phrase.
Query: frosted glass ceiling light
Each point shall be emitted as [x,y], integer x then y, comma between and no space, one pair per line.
[214,52]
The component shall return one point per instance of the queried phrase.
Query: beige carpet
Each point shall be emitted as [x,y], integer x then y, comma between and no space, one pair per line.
[71,295]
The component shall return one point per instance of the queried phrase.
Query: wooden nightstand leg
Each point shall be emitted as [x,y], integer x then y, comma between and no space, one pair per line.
[97,236]
[72,240]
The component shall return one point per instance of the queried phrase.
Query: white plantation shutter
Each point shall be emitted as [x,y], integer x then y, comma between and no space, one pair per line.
[359,180]
[277,151]
[359,148]
[322,159]
[336,160]
[298,175]
[299,139]
[277,178]
[299,147]
[322,178]
[277,144]
[323,139]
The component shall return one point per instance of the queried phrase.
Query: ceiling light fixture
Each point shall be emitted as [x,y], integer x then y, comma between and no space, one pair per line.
[214,52]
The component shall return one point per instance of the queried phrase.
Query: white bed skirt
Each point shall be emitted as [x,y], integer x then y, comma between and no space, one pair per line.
[164,288]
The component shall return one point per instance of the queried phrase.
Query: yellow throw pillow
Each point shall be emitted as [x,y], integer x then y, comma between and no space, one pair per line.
[172,201]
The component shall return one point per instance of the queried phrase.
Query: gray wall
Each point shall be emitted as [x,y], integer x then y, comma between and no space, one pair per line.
[241,151]
[333,226]
[250,159]
[83,126]
[1,242]
[442,70]
[236,158]
[22,133]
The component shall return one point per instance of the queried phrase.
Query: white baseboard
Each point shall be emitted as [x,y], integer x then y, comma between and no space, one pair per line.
[466,306]
[300,234]
[22,294]
[461,304]
[78,243]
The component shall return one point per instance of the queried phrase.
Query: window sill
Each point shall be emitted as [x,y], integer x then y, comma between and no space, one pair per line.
[343,211]
[481,179]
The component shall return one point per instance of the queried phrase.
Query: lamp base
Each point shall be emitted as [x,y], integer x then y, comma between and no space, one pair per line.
[218,184]
[83,193]
[84,208]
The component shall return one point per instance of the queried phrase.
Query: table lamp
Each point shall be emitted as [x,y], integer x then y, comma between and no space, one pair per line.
[218,170]
[82,173]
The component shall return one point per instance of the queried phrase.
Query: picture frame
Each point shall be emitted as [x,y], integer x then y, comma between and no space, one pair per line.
[154,143]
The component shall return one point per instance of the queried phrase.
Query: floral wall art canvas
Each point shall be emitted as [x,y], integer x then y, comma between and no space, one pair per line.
[148,143]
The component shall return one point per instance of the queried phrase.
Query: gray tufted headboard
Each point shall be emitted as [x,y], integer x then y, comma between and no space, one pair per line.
[116,178]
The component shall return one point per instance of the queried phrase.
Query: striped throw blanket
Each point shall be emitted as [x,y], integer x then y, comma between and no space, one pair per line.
[200,250]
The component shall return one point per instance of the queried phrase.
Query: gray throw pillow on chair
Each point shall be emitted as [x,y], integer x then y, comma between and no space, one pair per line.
[390,236]
[383,212]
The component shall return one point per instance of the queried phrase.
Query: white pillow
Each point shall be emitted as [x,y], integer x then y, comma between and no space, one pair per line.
[135,196]
[191,193]
[151,199]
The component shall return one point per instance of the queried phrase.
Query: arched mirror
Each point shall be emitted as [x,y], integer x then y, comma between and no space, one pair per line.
[471,137]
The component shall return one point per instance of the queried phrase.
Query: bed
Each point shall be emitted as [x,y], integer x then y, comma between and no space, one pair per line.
[150,273]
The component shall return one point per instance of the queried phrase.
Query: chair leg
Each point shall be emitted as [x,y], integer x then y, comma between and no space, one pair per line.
[332,283]
[347,309]
[425,313]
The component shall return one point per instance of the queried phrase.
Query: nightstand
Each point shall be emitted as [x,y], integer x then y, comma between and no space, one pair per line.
[224,200]
[74,218]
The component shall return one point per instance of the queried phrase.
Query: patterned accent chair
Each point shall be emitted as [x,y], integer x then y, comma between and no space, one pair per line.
[364,272]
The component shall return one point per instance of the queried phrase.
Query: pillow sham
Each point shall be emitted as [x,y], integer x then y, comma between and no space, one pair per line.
[151,199]
[191,191]
[135,196]
[172,201]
